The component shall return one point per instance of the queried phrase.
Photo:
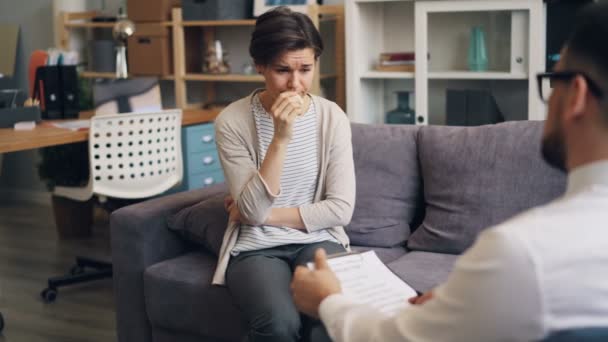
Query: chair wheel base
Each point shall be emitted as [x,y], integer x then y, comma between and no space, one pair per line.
[76,269]
[48,295]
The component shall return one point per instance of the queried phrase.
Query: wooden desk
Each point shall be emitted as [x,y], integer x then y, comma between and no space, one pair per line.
[44,135]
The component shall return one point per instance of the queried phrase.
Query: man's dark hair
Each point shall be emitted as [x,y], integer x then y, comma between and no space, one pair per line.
[280,30]
[588,43]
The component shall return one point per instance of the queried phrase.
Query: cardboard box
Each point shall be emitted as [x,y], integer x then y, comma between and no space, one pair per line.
[149,50]
[151,10]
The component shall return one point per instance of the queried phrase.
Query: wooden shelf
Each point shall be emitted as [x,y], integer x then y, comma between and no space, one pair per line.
[224,78]
[182,38]
[111,75]
[328,76]
[474,75]
[387,75]
[327,18]
[248,22]
[237,77]
[448,75]
[109,25]
[89,24]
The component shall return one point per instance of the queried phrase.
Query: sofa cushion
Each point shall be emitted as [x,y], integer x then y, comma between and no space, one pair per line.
[476,177]
[423,270]
[388,184]
[179,297]
[385,254]
[203,223]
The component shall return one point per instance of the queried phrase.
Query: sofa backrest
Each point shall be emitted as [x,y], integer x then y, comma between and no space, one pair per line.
[388,184]
[464,180]
[477,177]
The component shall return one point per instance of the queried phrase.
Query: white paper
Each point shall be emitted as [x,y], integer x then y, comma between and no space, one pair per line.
[74,125]
[366,280]
[24,125]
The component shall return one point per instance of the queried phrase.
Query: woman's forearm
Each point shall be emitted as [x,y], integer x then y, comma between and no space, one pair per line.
[272,166]
[286,217]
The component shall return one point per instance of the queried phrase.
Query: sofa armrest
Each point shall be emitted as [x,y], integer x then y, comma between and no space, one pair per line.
[140,238]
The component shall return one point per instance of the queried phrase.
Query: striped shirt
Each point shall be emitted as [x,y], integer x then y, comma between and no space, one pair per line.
[298,181]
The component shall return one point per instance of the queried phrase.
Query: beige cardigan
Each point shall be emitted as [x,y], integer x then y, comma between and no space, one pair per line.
[334,199]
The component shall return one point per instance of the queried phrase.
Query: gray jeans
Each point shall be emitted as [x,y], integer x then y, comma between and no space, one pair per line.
[259,283]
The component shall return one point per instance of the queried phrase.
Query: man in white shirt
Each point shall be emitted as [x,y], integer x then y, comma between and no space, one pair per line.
[543,271]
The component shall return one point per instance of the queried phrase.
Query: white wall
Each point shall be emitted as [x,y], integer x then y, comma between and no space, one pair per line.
[19,169]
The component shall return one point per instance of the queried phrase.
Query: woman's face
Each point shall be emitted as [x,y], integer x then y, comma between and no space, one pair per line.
[291,71]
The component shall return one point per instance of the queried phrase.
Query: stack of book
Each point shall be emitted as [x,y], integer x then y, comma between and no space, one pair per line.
[396,61]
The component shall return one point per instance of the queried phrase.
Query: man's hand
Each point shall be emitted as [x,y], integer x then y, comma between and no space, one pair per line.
[419,300]
[310,287]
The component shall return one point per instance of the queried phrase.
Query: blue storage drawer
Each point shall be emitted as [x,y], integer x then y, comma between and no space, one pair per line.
[198,138]
[202,180]
[202,161]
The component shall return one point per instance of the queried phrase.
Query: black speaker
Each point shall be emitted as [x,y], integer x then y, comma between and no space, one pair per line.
[560,22]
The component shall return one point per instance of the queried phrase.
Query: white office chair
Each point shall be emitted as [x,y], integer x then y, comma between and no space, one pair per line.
[132,156]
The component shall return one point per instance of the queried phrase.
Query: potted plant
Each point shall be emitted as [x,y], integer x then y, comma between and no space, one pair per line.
[68,165]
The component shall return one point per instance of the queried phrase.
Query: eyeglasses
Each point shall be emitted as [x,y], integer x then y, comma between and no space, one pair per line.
[545,83]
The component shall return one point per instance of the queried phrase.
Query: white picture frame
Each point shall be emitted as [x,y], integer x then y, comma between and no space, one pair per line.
[261,6]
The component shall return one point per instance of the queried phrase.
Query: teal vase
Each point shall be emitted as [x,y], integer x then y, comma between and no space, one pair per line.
[478,55]
[403,114]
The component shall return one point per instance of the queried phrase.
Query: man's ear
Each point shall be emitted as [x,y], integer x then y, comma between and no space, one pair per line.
[576,101]
[259,68]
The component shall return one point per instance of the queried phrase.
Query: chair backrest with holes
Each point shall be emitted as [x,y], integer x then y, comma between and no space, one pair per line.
[135,155]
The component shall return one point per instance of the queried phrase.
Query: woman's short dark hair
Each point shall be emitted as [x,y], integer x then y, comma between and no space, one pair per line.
[280,30]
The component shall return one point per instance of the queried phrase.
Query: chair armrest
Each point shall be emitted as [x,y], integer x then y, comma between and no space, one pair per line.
[140,238]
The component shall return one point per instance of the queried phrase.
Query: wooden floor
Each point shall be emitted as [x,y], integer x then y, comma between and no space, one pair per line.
[30,252]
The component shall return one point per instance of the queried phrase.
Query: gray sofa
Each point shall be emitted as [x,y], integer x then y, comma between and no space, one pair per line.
[423,195]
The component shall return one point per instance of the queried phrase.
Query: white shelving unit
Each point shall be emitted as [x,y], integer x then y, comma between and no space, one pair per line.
[438,31]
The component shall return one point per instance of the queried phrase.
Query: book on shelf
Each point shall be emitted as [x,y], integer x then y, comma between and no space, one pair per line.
[396,62]
[365,279]
[396,68]
[397,56]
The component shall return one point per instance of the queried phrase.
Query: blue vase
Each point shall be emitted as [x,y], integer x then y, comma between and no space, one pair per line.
[403,114]
[478,55]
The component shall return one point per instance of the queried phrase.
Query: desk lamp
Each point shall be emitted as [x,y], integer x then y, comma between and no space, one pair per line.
[123,29]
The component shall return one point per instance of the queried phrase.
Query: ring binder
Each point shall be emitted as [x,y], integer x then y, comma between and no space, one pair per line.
[56,87]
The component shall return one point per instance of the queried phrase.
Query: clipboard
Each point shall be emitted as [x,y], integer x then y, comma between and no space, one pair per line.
[367,280]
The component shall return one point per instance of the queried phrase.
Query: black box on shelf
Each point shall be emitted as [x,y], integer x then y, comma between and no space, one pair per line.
[217,9]
[471,108]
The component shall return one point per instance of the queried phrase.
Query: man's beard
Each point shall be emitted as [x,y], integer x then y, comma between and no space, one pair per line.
[554,150]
